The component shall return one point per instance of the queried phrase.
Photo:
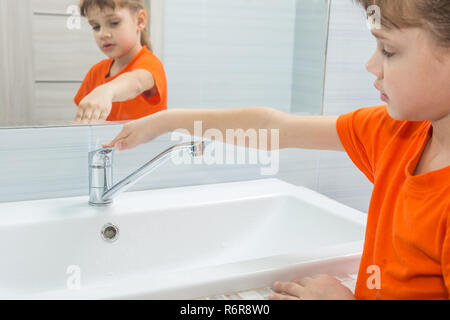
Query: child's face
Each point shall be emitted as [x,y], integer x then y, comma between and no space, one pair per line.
[413,73]
[116,31]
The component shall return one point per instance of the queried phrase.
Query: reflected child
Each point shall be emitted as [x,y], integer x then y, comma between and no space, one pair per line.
[131,84]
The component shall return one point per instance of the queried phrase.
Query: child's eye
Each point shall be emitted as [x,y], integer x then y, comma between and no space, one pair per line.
[387,54]
[115,23]
[96,28]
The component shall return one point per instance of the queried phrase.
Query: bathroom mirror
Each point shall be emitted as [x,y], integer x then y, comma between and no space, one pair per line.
[216,54]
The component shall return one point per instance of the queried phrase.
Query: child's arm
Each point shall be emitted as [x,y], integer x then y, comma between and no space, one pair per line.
[307,132]
[97,105]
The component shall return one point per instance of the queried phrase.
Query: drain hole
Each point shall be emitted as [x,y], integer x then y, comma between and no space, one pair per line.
[110,232]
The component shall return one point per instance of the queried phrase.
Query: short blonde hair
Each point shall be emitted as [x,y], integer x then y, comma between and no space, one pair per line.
[133,5]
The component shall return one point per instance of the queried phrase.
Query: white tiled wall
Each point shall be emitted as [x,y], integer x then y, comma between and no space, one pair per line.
[233,53]
[52,162]
[43,163]
[238,50]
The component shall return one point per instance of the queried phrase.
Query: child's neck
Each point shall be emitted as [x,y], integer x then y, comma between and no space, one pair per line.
[124,60]
[441,139]
[436,153]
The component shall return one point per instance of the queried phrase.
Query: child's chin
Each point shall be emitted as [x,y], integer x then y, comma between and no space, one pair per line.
[401,116]
[111,53]
[393,114]
[111,56]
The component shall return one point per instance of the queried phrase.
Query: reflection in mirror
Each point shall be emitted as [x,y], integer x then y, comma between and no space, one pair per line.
[215,54]
[131,84]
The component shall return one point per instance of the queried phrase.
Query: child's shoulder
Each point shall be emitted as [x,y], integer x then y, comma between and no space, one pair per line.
[149,57]
[379,114]
[99,68]
[373,118]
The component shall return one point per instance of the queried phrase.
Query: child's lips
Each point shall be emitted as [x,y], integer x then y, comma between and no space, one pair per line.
[383,95]
[108,46]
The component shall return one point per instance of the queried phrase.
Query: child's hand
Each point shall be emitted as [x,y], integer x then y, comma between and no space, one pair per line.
[135,133]
[320,287]
[95,106]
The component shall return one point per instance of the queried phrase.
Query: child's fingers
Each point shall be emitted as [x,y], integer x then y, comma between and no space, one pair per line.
[103,115]
[122,135]
[126,143]
[278,296]
[108,145]
[111,144]
[79,115]
[96,115]
[87,115]
[120,144]
[292,288]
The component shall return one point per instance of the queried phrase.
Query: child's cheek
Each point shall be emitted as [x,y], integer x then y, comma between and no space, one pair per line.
[126,38]
[121,37]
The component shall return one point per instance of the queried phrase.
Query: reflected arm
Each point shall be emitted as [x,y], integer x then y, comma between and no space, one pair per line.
[129,85]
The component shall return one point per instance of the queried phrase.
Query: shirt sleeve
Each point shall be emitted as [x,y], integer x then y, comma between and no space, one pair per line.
[155,67]
[85,88]
[365,133]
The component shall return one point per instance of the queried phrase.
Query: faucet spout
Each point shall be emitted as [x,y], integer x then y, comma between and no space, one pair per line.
[100,171]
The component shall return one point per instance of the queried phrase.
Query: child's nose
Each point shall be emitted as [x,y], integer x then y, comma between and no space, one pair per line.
[105,34]
[375,66]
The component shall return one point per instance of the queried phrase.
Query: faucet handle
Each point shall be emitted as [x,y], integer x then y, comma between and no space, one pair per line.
[101,158]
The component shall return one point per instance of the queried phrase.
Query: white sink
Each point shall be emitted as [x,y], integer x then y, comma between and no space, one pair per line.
[178,243]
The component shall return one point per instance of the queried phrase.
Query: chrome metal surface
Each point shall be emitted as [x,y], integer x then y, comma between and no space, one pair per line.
[101,177]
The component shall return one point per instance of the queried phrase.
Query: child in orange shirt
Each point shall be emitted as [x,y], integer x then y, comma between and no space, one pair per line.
[402,147]
[131,84]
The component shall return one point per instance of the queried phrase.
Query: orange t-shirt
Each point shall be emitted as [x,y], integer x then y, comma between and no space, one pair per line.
[408,226]
[142,105]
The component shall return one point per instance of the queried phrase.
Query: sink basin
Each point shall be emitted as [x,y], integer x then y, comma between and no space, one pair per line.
[177,243]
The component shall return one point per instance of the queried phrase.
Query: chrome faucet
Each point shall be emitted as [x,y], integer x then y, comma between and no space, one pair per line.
[101,193]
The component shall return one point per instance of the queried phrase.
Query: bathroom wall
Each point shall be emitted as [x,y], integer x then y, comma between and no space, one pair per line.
[52,162]
[249,52]
[308,46]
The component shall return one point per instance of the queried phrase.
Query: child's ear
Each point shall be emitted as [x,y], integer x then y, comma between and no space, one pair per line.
[142,20]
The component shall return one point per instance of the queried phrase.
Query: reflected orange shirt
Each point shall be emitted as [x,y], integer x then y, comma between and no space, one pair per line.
[408,226]
[141,106]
